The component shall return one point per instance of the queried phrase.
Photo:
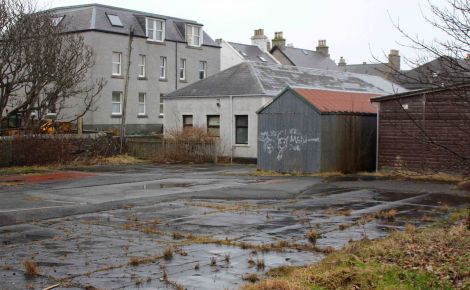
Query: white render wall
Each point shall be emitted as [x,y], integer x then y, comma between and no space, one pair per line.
[200,107]
[228,56]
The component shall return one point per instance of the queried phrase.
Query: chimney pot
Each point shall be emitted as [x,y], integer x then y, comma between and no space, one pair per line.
[342,61]
[260,40]
[322,48]
[279,40]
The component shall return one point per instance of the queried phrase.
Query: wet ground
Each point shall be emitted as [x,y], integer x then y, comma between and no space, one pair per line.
[194,227]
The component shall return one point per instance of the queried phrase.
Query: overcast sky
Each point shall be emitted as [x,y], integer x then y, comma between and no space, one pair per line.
[355,29]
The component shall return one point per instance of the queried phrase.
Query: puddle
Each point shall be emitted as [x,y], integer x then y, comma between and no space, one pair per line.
[157,185]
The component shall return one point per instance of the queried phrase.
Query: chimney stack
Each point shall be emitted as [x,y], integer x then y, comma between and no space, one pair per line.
[394,60]
[322,48]
[260,39]
[342,61]
[279,40]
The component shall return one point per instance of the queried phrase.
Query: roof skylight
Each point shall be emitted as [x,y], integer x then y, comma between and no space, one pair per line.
[115,20]
[243,53]
[305,52]
[56,20]
[262,58]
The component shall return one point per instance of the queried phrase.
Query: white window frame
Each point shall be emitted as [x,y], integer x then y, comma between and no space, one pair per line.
[162,106]
[142,68]
[151,26]
[163,65]
[182,69]
[113,102]
[118,63]
[191,35]
[202,68]
[143,104]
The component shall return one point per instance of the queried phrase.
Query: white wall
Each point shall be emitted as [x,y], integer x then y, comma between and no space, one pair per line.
[228,56]
[200,107]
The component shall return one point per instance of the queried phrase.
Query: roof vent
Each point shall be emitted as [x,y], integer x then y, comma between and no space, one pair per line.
[262,58]
[243,53]
[305,52]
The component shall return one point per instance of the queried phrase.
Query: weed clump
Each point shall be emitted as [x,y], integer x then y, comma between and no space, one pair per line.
[30,268]
[251,277]
[312,235]
[213,261]
[168,253]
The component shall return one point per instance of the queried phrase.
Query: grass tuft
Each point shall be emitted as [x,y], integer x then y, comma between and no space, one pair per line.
[312,235]
[30,268]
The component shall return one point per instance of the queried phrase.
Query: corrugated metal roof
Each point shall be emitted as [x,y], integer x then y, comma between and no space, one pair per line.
[329,101]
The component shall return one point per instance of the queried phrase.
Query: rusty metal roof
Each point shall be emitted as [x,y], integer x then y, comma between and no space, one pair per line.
[333,101]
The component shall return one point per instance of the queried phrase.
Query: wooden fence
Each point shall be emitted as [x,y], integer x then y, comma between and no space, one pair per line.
[172,150]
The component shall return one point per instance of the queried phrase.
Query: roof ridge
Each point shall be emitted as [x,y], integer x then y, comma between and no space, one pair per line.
[334,90]
[255,75]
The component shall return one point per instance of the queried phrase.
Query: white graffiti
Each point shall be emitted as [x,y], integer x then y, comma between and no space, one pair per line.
[281,141]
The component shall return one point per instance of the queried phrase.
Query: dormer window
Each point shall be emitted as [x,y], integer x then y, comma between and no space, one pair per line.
[194,35]
[155,29]
[56,20]
[114,20]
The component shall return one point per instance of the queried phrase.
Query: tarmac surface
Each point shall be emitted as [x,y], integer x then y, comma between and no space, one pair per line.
[109,228]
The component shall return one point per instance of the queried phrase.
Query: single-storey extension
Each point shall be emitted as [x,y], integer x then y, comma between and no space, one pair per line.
[225,104]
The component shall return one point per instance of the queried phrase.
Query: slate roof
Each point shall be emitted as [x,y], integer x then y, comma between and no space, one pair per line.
[332,101]
[307,58]
[375,69]
[252,52]
[446,70]
[92,17]
[254,78]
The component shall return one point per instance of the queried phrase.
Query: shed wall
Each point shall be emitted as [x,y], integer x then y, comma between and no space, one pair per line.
[348,142]
[289,136]
[430,135]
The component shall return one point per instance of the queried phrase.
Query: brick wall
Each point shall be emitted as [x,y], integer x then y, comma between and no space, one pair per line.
[426,132]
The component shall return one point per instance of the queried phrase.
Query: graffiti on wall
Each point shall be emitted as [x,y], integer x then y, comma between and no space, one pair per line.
[280,141]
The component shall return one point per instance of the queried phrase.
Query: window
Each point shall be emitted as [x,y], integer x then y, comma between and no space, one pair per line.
[187,121]
[51,109]
[115,20]
[162,67]
[155,29]
[142,66]
[161,106]
[194,35]
[117,60]
[202,69]
[117,103]
[213,125]
[141,106]
[183,69]
[241,129]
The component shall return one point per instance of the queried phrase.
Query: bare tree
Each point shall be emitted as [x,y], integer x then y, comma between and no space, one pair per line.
[443,66]
[42,68]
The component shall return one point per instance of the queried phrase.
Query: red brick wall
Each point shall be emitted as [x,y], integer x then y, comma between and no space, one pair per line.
[413,139]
